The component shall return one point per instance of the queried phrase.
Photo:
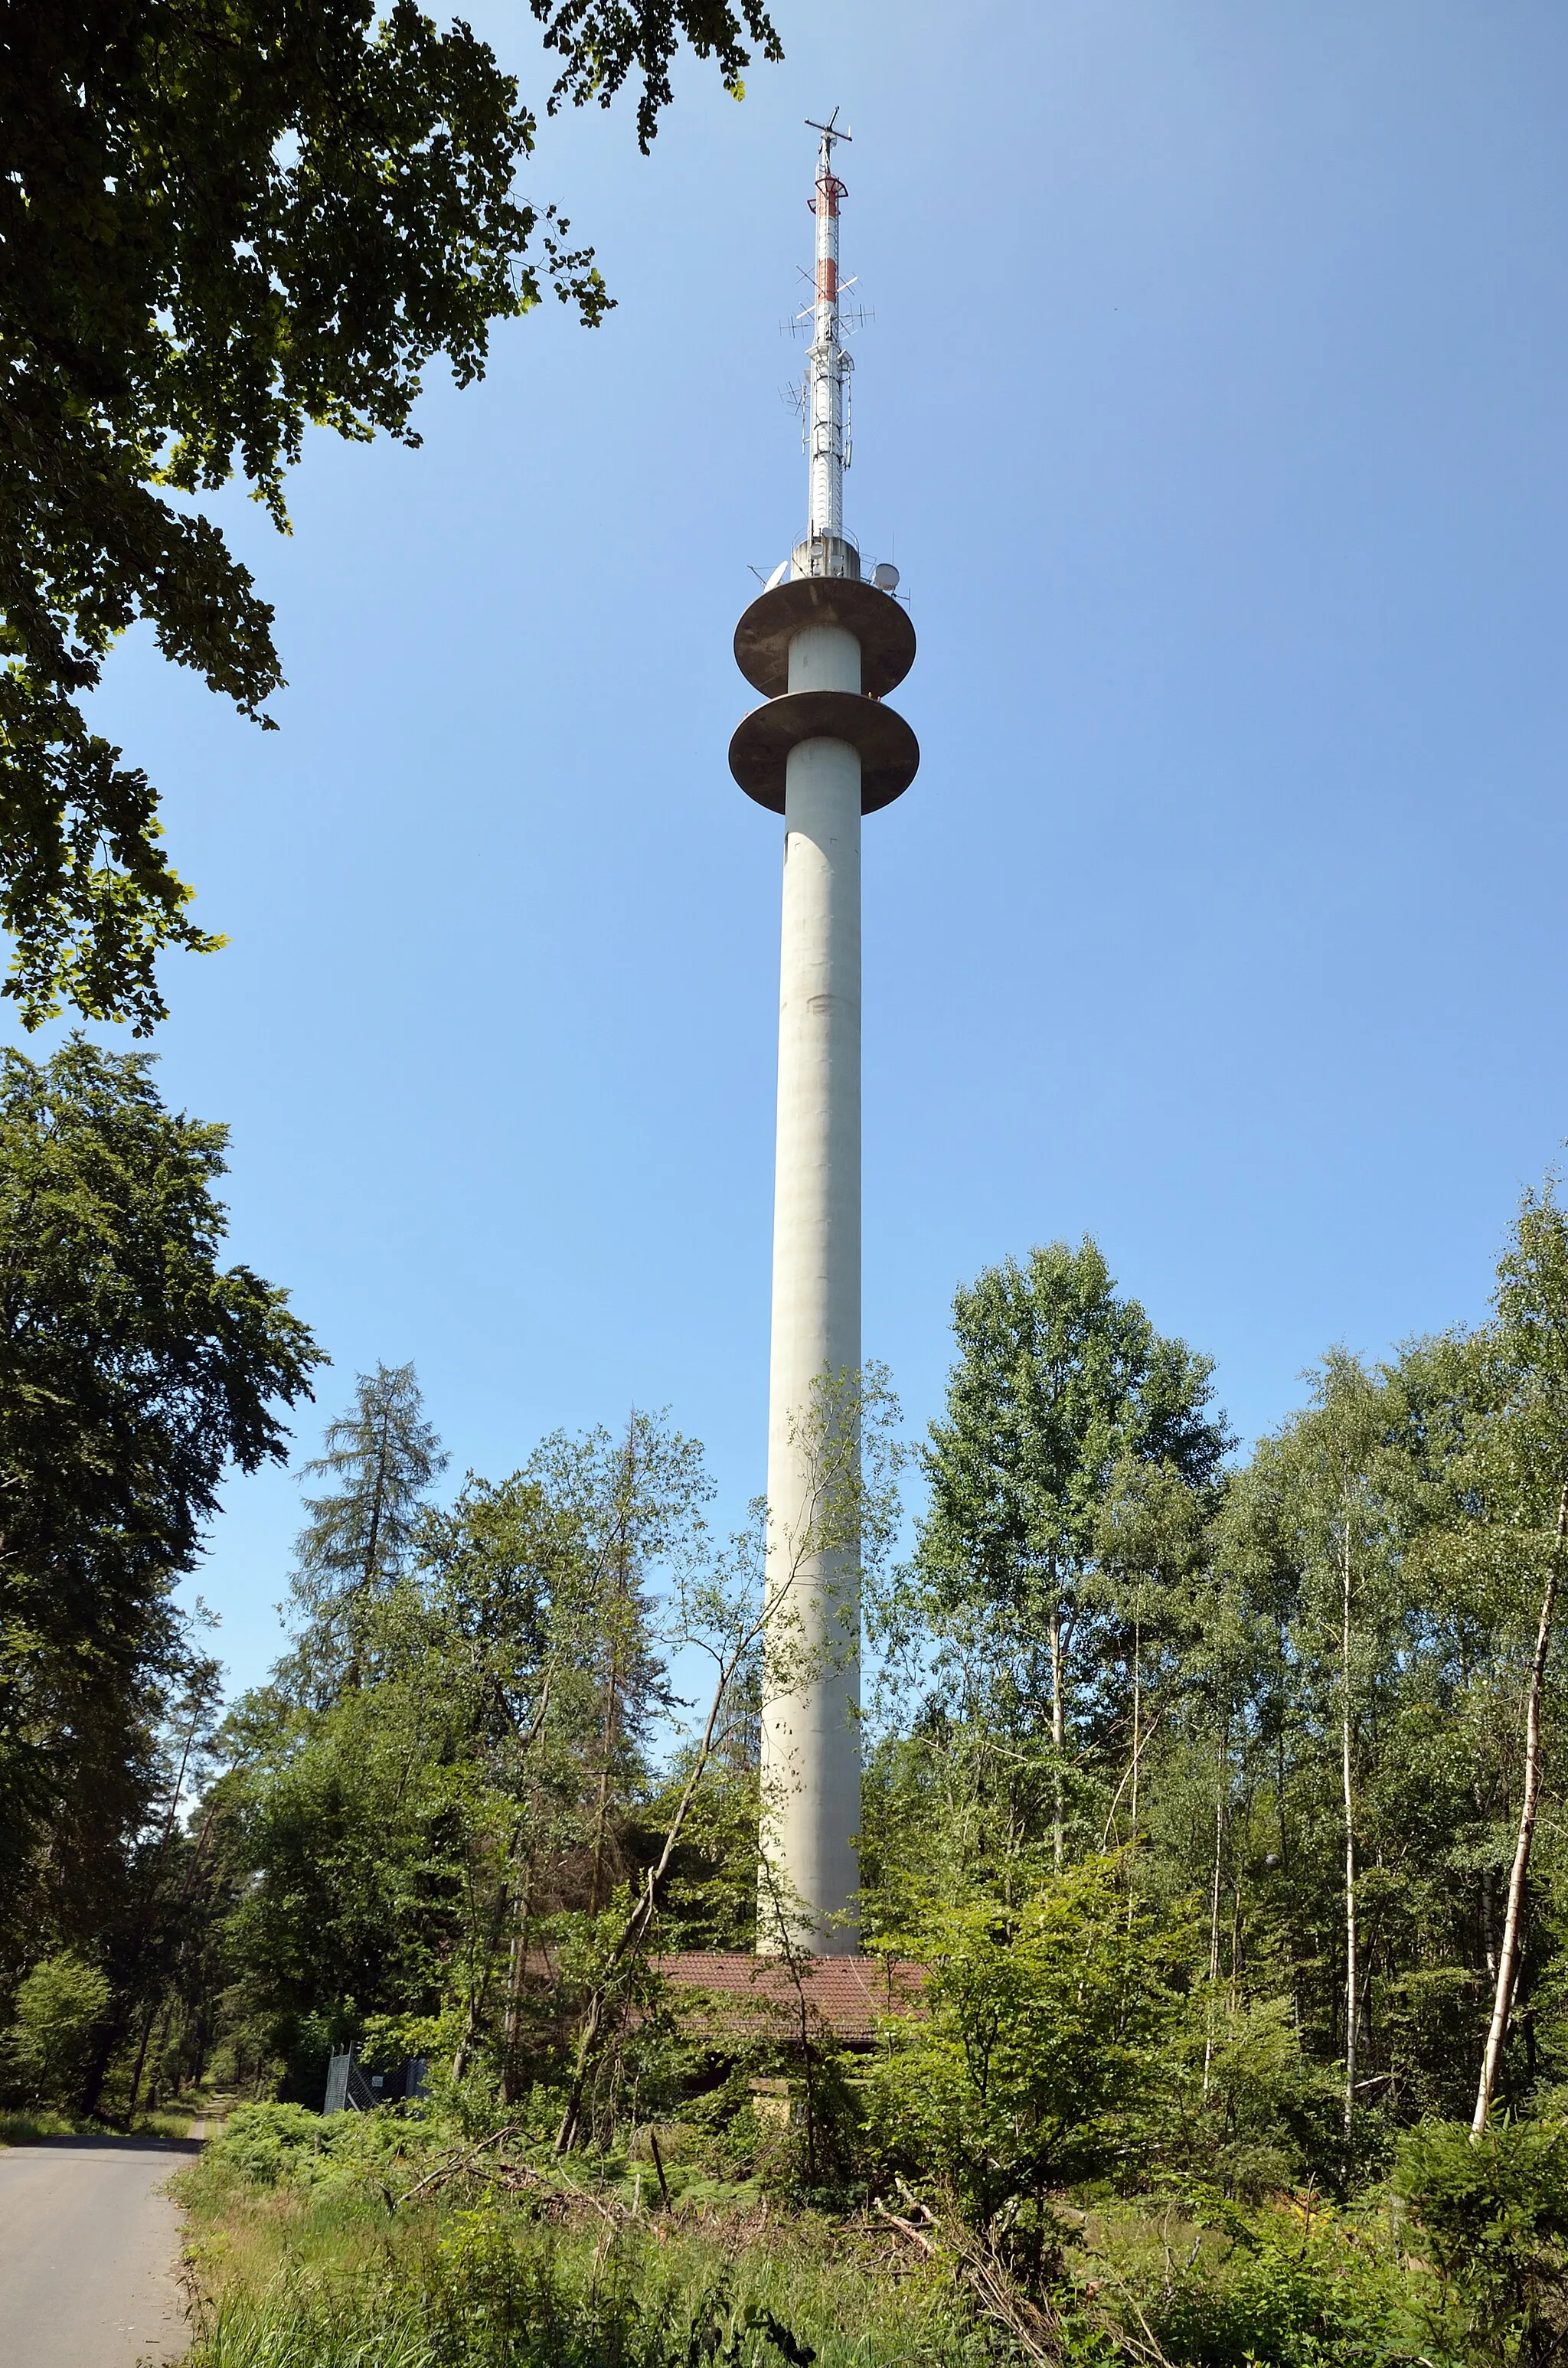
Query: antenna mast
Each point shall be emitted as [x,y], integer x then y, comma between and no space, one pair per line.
[827,373]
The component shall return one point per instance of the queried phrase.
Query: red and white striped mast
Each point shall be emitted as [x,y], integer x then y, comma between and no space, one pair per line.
[827,364]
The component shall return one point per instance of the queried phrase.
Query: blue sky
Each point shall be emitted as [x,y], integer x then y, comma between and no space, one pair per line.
[1216,409]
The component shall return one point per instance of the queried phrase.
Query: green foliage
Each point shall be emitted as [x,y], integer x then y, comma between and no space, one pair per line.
[488,2285]
[357,1821]
[448,1791]
[1068,1478]
[59,2010]
[1057,1384]
[28,2128]
[1268,2114]
[1156,1734]
[136,1369]
[1291,2294]
[1492,2214]
[269,2144]
[1046,2055]
[602,44]
[382,1457]
[224,221]
[1293,1692]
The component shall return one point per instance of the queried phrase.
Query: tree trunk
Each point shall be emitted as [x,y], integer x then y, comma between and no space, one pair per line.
[1352,1965]
[351,1676]
[1223,1758]
[1488,1911]
[639,1924]
[1057,1737]
[517,1976]
[1137,1728]
[1509,1954]
[612,1682]
[479,1993]
[480,1976]
[1137,1754]
[607,1750]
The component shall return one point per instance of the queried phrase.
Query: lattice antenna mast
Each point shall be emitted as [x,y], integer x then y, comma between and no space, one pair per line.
[827,364]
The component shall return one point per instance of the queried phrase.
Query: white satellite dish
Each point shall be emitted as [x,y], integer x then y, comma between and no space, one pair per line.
[778,575]
[884,575]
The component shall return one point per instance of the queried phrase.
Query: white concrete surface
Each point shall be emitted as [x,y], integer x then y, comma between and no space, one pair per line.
[810,1744]
[824,657]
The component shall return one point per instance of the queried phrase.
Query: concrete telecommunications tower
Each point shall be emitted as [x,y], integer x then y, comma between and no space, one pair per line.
[825,646]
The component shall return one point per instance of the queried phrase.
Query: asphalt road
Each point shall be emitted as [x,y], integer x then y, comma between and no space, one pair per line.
[88,2253]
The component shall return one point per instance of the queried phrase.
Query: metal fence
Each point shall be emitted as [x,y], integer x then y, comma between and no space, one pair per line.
[351,2089]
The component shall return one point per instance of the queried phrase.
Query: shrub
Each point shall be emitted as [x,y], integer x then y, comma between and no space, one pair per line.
[269,2145]
[59,2009]
[1042,2056]
[1281,2296]
[495,2292]
[1494,2212]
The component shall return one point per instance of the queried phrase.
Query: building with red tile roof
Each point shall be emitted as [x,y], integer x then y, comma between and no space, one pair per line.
[732,1997]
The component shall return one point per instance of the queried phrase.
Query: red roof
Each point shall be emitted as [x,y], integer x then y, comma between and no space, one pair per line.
[758,1998]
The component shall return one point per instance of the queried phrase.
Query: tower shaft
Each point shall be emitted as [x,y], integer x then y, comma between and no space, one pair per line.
[823,750]
[810,1744]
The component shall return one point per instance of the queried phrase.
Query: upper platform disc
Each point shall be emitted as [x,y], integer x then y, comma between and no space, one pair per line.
[878,624]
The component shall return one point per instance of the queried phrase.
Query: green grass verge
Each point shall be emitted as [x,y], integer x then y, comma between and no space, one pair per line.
[329,2278]
[29,2128]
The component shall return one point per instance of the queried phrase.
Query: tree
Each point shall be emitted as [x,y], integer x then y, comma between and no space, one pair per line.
[1332,1493]
[221,220]
[133,1370]
[1042,2050]
[1059,1385]
[1149,1543]
[383,1455]
[542,1589]
[59,2007]
[1532,1346]
[1291,1734]
[425,1839]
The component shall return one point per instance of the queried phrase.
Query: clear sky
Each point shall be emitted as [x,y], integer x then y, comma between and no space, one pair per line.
[1215,408]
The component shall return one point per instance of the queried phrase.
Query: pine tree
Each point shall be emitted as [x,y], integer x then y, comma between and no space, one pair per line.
[382,1457]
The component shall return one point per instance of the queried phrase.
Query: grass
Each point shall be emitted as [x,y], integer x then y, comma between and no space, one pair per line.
[303,2258]
[31,2126]
[28,2128]
[327,2277]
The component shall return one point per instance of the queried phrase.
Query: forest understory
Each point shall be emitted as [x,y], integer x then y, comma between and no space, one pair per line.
[1218,1800]
[391,2245]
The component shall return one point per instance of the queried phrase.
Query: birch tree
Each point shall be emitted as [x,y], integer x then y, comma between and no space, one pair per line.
[1531,1453]
[1326,1500]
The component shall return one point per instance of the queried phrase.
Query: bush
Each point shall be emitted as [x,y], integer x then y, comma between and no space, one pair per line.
[1494,2212]
[270,2145]
[27,2128]
[59,2007]
[1044,2055]
[1294,2299]
[1270,2118]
